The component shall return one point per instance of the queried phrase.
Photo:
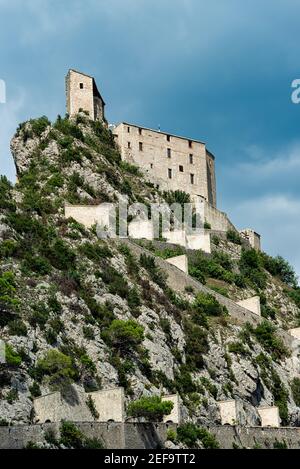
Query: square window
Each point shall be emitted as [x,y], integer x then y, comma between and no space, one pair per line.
[170,173]
[81,86]
[191,159]
[169,152]
[192,178]
[181,169]
[141,146]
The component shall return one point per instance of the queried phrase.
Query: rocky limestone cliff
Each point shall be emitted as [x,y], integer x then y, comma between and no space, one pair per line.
[108,315]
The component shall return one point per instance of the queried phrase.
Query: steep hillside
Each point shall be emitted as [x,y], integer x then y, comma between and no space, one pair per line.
[76,309]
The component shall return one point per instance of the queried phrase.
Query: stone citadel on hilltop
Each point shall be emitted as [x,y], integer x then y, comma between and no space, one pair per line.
[169,161]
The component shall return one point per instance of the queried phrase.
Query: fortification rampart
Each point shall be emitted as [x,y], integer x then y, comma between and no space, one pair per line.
[150,435]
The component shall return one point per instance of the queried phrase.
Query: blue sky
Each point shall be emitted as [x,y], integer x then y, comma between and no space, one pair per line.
[220,71]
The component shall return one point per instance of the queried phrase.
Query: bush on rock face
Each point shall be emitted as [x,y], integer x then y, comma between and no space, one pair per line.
[125,336]
[190,434]
[57,367]
[150,408]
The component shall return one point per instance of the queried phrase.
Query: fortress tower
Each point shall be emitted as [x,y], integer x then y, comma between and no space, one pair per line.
[82,93]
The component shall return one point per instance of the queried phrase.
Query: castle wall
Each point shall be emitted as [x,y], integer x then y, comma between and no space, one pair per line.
[253,304]
[151,436]
[110,404]
[54,407]
[175,415]
[228,412]
[141,229]
[269,416]
[295,333]
[211,179]
[218,220]
[253,238]
[181,262]
[178,281]
[149,150]
[89,215]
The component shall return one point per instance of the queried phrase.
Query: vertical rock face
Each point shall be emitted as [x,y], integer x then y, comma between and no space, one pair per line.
[90,312]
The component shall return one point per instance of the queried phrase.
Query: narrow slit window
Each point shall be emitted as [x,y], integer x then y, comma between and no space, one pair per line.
[181,169]
[192,178]
[169,153]
[168,138]
[191,159]
[170,173]
[190,144]
[128,130]
[140,131]
[129,145]
[141,146]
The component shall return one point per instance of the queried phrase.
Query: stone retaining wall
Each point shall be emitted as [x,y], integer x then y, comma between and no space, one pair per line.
[151,435]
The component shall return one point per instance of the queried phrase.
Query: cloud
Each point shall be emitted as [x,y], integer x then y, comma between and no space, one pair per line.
[9,115]
[263,167]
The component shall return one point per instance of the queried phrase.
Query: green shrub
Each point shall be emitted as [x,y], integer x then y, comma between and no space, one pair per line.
[130,168]
[208,305]
[8,248]
[57,367]
[252,269]
[279,267]
[12,396]
[88,333]
[237,347]
[12,358]
[8,289]
[280,444]
[71,436]
[296,391]
[133,298]
[116,282]
[36,264]
[204,267]
[17,327]
[211,388]
[167,253]
[5,194]
[151,408]
[265,334]
[125,336]
[177,197]
[196,345]
[39,125]
[171,435]
[35,390]
[233,237]
[189,434]
[60,255]
[91,405]
[148,263]
[183,381]
[96,251]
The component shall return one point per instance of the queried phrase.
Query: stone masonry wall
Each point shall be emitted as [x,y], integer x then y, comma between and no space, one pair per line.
[178,280]
[151,435]
[155,155]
